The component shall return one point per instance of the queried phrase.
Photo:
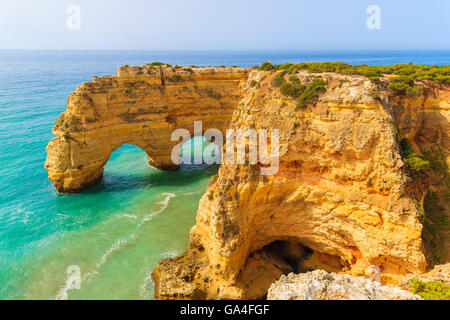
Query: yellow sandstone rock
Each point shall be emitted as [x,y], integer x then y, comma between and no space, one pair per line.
[340,201]
[341,192]
[141,106]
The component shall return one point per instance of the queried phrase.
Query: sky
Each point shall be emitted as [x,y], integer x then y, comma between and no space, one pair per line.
[224,25]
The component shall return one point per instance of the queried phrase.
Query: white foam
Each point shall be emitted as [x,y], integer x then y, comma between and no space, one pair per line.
[170,254]
[164,204]
[145,288]
[63,292]
[73,281]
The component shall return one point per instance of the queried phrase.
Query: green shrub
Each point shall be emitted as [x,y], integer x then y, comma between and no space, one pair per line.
[438,164]
[403,84]
[436,157]
[253,83]
[375,95]
[266,66]
[435,222]
[415,163]
[278,80]
[294,79]
[292,90]
[303,94]
[375,80]
[432,214]
[311,93]
[430,290]
[418,164]
[155,64]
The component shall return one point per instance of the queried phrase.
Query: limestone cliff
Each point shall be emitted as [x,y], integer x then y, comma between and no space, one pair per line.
[321,285]
[342,199]
[440,273]
[140,105]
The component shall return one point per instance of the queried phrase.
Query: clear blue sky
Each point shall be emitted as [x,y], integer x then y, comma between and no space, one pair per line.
[224,25]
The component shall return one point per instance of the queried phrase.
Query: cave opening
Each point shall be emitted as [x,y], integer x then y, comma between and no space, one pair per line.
[281,257]
[292,253]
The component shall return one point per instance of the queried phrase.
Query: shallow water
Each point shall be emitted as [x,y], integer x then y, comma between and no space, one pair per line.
[118,230]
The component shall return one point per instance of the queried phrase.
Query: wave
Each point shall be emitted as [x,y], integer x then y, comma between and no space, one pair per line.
[118,245]
[145,288]
[164,204]
[129,216]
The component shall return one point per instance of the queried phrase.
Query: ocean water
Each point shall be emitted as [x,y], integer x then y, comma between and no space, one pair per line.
[116,231]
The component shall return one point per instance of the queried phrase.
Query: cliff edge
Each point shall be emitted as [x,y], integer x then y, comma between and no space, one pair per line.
[349,193]
[362,180]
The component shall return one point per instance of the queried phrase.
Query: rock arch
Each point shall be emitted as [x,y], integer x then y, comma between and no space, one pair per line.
[140,105]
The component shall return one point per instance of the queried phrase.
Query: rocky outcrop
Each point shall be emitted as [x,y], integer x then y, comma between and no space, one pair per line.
[439,273]
[341,195]
[341,200]
[140,105]
[321,285]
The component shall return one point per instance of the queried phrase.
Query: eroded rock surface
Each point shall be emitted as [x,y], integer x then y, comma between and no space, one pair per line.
[340,201]
[341,190]
[439,273]
[140,105]
[321,285]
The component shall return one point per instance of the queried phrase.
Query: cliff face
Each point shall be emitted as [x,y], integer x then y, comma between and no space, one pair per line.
[140,106]
[321,285]
[341,200]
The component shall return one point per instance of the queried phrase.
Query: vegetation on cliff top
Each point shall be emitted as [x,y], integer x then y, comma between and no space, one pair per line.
[435,222]
[403,83]
[430,290]
[304,94]
[432,213]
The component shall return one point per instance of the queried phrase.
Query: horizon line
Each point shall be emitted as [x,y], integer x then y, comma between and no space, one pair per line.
[234,50]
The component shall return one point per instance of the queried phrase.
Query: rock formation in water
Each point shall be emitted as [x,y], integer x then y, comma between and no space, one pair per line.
[140,105]
[342,199]
[321,285]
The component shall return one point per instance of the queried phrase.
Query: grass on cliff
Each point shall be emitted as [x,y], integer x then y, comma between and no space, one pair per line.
[432,214]
[430,290]
[415,162]
[403,83]
[435,223]
[304,94]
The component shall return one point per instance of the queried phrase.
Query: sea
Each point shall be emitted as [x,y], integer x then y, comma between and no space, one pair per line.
[104,242]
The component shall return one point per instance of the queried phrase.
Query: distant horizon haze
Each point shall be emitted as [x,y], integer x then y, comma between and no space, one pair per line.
[208,25]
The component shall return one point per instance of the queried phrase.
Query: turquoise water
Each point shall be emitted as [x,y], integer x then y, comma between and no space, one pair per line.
[118,230]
